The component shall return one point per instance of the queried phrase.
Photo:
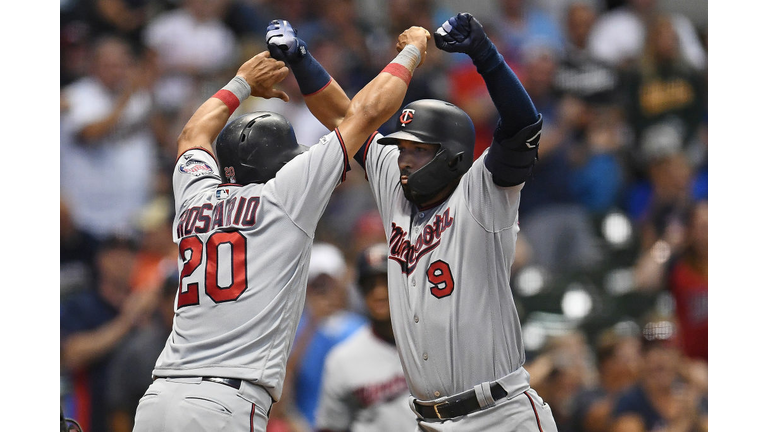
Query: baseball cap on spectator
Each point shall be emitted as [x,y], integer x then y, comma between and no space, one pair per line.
[327,259]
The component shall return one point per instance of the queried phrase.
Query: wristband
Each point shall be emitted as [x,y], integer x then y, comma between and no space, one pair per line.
[234,93]
[404,64]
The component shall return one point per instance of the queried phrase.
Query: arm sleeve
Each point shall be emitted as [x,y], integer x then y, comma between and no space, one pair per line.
[516,139]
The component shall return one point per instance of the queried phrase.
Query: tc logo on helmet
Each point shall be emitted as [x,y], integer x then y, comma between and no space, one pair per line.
[406,116]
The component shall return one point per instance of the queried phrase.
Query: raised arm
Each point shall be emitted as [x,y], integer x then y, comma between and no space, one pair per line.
[254,78]
[357,119]
[325,99]
[381,98]
[516,139]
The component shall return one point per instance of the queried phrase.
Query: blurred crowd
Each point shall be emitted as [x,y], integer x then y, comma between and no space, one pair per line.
[611,270]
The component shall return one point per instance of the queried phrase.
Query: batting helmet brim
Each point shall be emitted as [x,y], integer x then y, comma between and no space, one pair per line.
[395,137]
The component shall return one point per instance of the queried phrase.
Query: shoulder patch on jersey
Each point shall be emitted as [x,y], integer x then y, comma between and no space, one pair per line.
[195,167]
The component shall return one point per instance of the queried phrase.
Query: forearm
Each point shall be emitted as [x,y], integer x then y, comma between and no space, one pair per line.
[379,100]
[329,105]
[203,127]
[211,117]
[83,349]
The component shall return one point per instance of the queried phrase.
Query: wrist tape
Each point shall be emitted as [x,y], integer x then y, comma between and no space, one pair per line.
[234,93]
[403,65]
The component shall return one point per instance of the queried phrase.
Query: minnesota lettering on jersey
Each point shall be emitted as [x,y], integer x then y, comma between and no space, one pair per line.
[408,254]
[239,212]
[380,392]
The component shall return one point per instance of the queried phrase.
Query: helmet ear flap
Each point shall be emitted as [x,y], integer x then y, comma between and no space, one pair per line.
[456,160]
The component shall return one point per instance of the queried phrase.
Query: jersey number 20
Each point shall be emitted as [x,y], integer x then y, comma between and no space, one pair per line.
[194,247]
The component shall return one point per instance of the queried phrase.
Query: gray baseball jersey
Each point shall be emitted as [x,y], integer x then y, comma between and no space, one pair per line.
[364,389]
[243,255]
[449,269]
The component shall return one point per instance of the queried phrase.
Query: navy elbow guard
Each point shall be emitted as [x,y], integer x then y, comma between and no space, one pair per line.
[511,160]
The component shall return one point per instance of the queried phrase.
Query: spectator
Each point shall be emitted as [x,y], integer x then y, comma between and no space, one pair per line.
[618,363]
[157,252]
[550,204]
[659,204]
[663,89]
[108,153]
[77,250]
[195,52]
[663,399]
[363,384]
[687,281]
[562,370]
[579,73]
[681,268]
[92,325]
[524,27]
[619,35]
[130,371]
[325,323]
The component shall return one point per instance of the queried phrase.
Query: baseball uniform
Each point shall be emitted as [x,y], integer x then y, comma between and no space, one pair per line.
[364,388]
[243,254]
[453,314]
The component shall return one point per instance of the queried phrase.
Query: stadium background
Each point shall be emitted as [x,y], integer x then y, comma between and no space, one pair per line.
[609,216]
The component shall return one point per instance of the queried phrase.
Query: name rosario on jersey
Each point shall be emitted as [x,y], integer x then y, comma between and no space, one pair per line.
[408,254]
[207,217]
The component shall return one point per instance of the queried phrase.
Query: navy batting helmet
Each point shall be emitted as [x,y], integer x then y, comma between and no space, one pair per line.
[371,262]
[253,147]
[431,121]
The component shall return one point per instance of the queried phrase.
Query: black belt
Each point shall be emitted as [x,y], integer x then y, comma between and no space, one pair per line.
[232,382]
[458,405]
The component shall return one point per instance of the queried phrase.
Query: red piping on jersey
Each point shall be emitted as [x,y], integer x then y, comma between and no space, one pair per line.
[365,152]
[253,411]
[538,421]
[346,157]
[195,148]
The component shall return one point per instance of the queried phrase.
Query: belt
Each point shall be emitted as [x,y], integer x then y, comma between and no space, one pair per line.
[459,405]
[232,382]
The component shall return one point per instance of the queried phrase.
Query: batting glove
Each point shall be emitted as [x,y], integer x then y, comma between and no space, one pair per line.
[462,33]
[282,42]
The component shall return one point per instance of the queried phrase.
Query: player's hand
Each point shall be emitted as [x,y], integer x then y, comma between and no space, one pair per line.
[262,72]
[416,36]
[282,42]
[462,33]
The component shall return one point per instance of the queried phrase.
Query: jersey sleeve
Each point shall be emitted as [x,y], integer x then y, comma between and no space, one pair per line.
[493,207]
[336,408]
[195,171]
[304,185]
[380,165]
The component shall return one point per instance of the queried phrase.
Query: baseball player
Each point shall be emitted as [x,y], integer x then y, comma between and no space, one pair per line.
[364,388]
[452,224]
[248,199]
